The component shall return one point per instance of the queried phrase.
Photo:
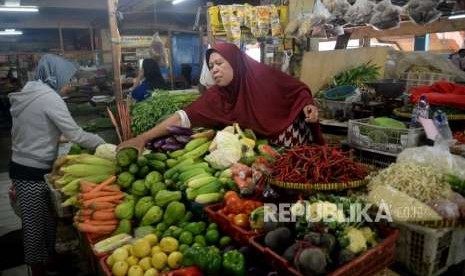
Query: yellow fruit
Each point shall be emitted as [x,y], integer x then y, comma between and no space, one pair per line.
[152,238]
[175,259]
[156,249]
[141,248]
[135,270]
[151,272]
[120,254]
[146,263]
[110,261]
[127,246]
[120,268]
[132,260]
[168,244]
[159,260]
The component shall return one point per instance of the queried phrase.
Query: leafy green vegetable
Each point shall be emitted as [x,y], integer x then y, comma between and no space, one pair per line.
[356,76]
[146,114]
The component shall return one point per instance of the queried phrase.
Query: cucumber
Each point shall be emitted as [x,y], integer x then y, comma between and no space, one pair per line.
[156,156]
[171,162]
[176,153]
[195,143]
[199,182]
[169,173]
[199,165]
[190,173]
[157,164]
[197,152]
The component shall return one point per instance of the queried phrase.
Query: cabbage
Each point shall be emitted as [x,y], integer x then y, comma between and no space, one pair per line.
[227,150]
[106,151]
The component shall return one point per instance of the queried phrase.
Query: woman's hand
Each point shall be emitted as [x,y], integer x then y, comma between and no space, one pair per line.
[137,142]
[311,113]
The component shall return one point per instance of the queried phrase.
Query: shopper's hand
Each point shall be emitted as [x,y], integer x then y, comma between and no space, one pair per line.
[311,113]
[137,142]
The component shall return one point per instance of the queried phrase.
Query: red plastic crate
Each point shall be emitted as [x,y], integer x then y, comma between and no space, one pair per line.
[369,263]
[237,233]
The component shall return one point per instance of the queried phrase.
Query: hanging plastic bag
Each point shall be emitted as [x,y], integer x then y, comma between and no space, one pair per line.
[157,50]
[386,16]
[423,12]
[360,13]
[206,78]
[338,9]
[320,20]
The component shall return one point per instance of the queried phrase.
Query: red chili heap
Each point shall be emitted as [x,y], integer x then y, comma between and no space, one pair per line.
[317,164]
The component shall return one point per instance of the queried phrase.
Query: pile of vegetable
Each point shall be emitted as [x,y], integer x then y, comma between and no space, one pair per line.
[356,76]
[178,138]
[147,113]
[459,136]
[317,164]
[97,203]
[325,242]
[242,212]
[422,189]
[69,170]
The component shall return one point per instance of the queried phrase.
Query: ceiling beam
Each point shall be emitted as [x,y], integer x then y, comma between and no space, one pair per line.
[409,28]
[67,4]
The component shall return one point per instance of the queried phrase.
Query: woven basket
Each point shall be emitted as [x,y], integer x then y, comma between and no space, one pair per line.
[318,186]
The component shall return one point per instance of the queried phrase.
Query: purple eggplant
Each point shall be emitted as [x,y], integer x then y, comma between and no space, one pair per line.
[183,139]
[176,130]
[158,143]
[171,146]
[171,140]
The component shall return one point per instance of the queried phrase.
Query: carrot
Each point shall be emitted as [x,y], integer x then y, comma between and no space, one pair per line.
[98,229]
[111,188]
[85,212]
[98,205]
[102,222]
[87,196]
[104,199]
[100,215]
[87,186]
[104,183]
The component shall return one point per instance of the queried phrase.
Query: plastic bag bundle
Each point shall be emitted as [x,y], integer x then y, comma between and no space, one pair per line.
[339,10]
[386,16]
[360,13]
[157,50]
[423,12]
[319,20]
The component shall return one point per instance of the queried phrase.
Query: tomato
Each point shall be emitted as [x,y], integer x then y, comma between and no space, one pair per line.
[231,217]
[230,194]
[241,220]
[234,206]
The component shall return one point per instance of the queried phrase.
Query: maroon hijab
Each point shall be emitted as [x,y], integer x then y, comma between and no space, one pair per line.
[259,97]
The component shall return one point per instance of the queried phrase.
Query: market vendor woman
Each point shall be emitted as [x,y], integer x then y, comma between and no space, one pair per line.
[273,104]
[40,117]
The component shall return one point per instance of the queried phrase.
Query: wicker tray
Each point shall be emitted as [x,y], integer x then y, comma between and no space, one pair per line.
[318,186]
[451,117]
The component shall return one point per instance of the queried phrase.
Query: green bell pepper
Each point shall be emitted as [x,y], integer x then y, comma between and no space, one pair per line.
[214,262]
[233,263]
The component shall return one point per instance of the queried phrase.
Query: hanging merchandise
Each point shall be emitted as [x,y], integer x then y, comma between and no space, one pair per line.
[157,50]
[338,9]
[319,20]
[275,22]
[360,13]
[423,12]
[263,21]
[386,16]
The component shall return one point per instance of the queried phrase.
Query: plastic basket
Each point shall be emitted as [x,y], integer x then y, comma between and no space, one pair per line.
[425,251]
[57,198]
[389,141]
[370,262]
[334,109]
[238,234]
[415,79]
[377,160]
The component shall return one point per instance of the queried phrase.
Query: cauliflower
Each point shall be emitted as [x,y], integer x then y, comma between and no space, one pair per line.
[227,150]
[357,241]
[106,151]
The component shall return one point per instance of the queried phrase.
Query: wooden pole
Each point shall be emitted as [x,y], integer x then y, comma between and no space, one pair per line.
[91,34]
[115,49]
[211,38]
[60,34]
[170,39]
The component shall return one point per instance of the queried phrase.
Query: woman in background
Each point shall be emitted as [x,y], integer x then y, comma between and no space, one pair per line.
[149,78]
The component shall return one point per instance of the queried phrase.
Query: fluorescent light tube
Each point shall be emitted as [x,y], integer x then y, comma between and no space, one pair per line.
[457,16]
[11,32]
[19,9]
[175,2]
